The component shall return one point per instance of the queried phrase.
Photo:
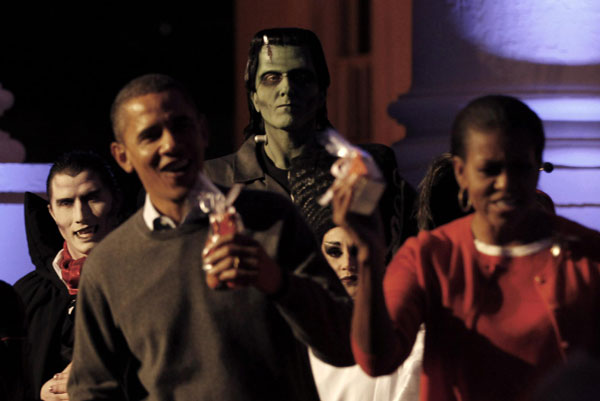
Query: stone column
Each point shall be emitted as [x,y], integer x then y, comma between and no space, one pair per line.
[546,53]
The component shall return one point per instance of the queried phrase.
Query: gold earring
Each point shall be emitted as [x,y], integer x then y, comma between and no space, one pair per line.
[462,194]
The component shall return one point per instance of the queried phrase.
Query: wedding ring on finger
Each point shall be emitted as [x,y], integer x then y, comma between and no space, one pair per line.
[236,262]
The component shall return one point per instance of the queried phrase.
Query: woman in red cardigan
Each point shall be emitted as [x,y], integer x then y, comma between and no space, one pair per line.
[506,293]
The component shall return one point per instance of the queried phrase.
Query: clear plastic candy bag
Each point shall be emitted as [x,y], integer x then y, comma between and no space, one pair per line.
[354,164]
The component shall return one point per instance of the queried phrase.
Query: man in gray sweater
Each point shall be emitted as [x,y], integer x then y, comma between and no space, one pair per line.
[149,327]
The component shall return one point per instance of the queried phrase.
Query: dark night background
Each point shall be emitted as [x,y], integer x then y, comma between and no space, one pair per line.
[64,71]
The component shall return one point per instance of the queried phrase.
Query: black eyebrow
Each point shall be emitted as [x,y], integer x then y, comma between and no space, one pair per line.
[270,72]
[92,193]
[299,69]
[60,200]
[147,132]
[87,195]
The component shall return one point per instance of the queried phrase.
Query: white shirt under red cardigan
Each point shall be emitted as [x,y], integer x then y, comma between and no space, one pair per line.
[494,324]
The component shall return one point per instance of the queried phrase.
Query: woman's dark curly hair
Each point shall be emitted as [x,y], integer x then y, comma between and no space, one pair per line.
[436,202]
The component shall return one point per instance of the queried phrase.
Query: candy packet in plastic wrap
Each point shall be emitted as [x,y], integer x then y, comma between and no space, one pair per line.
[353,164]
[222,216]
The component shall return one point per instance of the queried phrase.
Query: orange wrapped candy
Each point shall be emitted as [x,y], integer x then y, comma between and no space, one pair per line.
[353,162]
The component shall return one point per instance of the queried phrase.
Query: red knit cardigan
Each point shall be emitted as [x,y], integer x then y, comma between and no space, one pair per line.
[494,325]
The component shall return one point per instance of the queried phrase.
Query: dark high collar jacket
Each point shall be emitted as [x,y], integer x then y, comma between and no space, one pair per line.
[49,318]
[245,166]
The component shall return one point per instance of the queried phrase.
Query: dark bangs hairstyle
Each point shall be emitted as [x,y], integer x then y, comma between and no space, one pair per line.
[285,37]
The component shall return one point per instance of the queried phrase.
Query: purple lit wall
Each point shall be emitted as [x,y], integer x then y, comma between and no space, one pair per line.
[538,31]
[561,108]
[15,179]
[575,190]
[572,125]
[547,53]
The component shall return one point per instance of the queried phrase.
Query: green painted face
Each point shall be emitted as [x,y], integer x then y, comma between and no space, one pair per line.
[287,95]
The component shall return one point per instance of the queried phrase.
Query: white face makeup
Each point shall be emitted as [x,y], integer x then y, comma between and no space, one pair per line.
[340,252]
[287,94]
[81,207]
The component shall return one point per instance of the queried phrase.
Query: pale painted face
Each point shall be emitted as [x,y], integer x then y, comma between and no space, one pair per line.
[500,176]
[287,95]
[340,252]
[163,141]
[81,207]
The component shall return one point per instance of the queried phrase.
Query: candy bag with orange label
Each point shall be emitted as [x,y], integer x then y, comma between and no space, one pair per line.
[222,216]
[354,164]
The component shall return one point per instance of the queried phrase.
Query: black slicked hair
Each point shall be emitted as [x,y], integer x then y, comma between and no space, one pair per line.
[74,162]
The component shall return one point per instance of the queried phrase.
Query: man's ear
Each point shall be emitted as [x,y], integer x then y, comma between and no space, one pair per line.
[51,212]
[254,99]
[118,151]
[459,171]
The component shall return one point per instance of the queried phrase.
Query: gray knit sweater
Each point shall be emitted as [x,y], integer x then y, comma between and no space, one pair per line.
[144,312]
